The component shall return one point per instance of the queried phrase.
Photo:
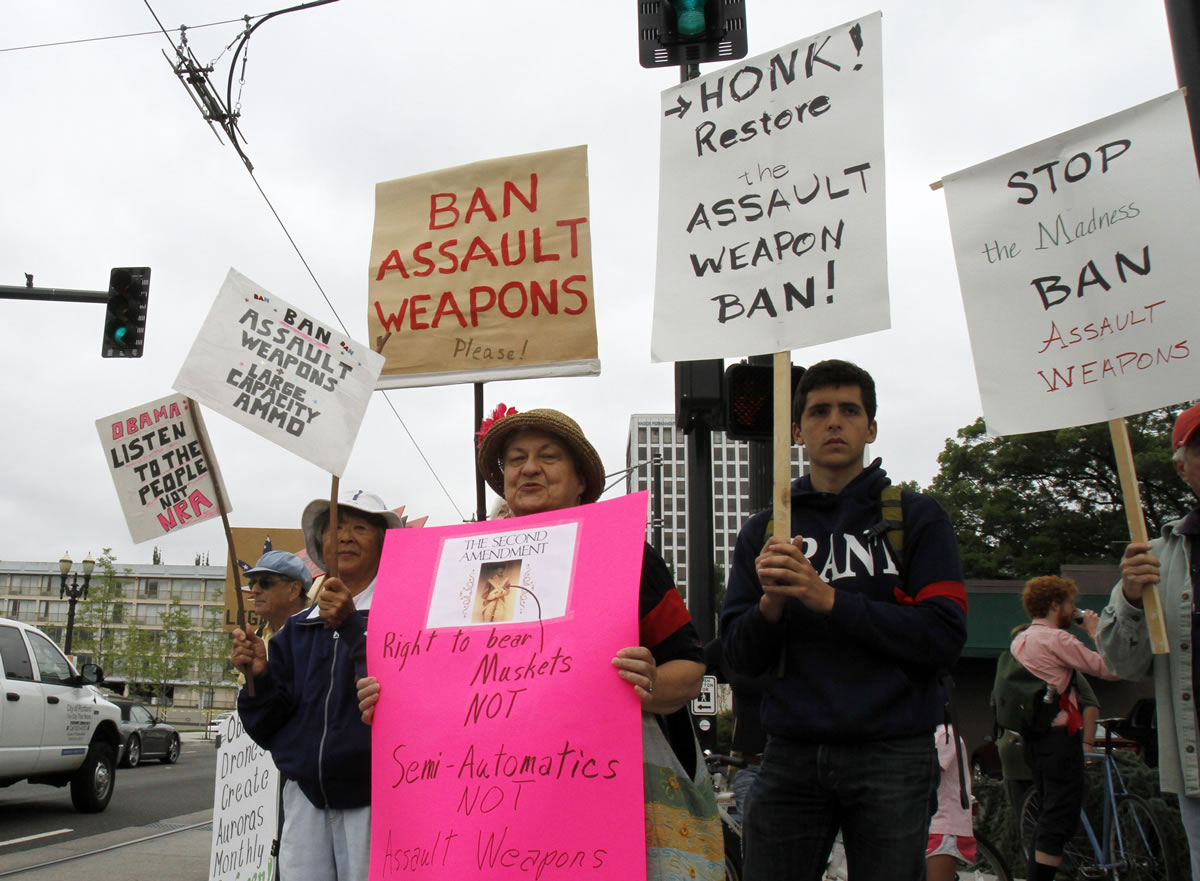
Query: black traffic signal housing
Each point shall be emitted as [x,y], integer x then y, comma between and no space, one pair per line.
[672,32]
[698,394]
[749,400]
[125,315]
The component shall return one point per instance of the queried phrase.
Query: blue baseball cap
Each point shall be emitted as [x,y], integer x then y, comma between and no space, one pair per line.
[282,563]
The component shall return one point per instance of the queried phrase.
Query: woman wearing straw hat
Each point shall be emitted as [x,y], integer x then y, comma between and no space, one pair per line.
[540,460]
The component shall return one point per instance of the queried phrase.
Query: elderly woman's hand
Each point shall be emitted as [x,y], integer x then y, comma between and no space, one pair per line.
[335,602]
[661,689]
[368,697]
[637,667]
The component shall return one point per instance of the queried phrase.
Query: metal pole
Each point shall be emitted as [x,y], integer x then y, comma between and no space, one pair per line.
[762,458]
[58,295]
[480,497]
[71,600]
[657,513]
[701,561]
[1183,23]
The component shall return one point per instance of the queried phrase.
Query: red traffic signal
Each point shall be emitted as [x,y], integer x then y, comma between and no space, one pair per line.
[749,400]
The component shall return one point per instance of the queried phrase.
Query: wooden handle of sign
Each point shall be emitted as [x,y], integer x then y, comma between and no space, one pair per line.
[331,566]
[1151,602]
[202,440]
[782,400]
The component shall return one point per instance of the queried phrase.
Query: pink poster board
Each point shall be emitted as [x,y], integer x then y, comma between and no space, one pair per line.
[505,745]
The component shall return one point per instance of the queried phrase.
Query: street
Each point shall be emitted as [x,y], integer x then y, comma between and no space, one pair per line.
[148,794]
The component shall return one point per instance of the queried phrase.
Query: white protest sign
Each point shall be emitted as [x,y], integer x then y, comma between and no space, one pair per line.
[771,229]
[157,461]
[281,373]
[245,808]
[1077,262]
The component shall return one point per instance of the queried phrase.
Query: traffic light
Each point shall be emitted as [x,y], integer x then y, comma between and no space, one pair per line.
[698,394]
[674,32]
[749,397]
[125,316]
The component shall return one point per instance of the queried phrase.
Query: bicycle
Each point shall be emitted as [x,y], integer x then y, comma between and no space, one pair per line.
[988,865]
[731,823]
[1130,847]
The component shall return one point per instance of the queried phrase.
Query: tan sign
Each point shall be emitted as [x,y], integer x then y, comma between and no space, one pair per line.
[249,544]
[484,272]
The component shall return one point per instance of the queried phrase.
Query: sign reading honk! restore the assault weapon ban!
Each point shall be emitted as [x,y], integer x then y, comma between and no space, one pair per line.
[156,457]
[281,373]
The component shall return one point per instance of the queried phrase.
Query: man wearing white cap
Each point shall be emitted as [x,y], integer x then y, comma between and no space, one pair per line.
[305,708]
[1173,563]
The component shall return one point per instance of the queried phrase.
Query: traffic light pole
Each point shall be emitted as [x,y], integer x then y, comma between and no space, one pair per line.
[58,295]
[701,554]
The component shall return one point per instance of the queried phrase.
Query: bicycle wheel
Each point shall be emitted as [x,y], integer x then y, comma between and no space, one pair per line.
[988,865]
[1140,848]
[1079,857]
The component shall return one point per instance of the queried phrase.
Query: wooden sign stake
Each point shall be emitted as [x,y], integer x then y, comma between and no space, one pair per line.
[1151,603]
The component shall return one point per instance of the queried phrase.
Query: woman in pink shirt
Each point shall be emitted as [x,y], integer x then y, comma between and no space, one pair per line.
[1049,652]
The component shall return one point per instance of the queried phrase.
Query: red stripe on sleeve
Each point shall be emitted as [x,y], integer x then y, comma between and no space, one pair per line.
[664,619]
[951,590]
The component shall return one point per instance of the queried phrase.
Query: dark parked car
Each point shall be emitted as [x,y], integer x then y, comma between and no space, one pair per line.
[144,735]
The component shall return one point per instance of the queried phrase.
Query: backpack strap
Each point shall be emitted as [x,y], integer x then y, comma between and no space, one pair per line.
[891,512]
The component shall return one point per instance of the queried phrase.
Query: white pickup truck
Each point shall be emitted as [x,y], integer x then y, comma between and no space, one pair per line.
[55,728]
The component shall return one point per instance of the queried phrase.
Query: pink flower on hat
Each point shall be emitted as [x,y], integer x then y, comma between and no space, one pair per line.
[485,426]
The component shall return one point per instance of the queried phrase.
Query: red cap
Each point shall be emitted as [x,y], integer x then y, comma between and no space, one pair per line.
[1185,426]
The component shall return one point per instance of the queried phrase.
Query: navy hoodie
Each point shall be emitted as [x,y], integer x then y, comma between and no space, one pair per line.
[869,669]
[305,709]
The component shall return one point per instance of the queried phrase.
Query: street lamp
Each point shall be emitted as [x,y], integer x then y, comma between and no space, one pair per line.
[75,591]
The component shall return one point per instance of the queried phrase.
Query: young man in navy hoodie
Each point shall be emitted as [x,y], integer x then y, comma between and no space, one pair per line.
[851,638]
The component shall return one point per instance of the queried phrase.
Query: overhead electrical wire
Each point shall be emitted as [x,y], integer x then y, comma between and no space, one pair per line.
[120,36]
[308,268]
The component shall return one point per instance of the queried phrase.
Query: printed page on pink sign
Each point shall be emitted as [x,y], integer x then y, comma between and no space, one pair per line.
[504,744]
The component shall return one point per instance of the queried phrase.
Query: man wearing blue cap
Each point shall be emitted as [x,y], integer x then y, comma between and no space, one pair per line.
[279,584]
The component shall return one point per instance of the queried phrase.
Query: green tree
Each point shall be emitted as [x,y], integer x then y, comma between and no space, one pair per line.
[99,619]
[210,653]
[154,658]
[156,557]
[1026,504]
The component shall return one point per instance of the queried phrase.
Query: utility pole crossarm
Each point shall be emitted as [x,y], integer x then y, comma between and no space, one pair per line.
[59,295]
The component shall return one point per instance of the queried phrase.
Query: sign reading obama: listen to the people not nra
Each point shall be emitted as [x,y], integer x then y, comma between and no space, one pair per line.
[157,461]
[281,373]
[484,272]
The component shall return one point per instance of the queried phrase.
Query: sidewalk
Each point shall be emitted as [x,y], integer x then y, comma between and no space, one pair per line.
[181,856]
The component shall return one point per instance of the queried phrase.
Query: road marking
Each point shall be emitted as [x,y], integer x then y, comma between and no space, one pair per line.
[35,837]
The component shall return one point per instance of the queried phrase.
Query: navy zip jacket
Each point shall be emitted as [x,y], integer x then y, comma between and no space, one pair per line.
[305,710]
[868,670]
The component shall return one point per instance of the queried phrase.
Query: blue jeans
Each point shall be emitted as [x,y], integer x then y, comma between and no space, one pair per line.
[881,795]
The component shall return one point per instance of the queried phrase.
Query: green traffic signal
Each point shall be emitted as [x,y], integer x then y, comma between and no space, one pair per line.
[689,20]
[125,315]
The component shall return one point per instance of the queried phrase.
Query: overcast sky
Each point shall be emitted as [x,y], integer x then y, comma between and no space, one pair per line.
[106,162]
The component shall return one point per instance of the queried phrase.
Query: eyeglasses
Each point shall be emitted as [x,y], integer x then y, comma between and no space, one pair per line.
[267,582]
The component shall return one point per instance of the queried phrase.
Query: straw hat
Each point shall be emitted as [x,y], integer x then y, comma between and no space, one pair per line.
[508,422]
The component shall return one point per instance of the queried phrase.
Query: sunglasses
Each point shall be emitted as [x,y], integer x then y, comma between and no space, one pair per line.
[266,582]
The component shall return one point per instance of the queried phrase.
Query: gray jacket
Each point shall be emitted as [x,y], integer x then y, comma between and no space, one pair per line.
[1125,645]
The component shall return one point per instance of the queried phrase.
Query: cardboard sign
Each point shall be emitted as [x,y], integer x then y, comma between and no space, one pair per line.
[281,373]
[484,272]
[245,808]
[771,229]
[163,479]
[505,744]
[248,543]
[1077,262]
